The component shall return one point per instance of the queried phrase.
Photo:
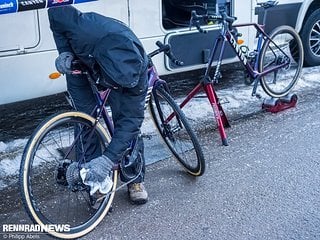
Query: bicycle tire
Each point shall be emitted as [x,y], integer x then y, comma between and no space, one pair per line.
[46,200]
[178,127]
[285,47]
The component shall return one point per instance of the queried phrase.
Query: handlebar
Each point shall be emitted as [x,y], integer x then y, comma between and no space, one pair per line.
[223,17]
[166,49]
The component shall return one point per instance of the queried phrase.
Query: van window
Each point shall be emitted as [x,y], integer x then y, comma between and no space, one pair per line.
[177,13]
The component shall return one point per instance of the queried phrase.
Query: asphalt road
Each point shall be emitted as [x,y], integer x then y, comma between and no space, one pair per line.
[264,185]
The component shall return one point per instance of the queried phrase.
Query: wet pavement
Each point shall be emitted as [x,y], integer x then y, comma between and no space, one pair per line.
[264,185]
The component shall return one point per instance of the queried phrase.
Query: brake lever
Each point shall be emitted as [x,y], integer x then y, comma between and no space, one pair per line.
[166,49]
[194,21]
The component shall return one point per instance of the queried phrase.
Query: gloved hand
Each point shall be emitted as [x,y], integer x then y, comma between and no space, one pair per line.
[96,174]
[63,62]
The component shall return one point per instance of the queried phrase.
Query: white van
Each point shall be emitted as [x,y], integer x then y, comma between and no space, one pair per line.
[27,49]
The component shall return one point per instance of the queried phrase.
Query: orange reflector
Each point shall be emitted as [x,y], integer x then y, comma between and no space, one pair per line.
[54,75]
[240,41]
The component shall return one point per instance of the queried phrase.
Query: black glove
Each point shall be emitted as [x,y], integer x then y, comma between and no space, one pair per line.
[63,62]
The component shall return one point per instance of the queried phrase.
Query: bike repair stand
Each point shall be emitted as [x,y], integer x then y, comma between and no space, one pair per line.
[220,116]
[275,105]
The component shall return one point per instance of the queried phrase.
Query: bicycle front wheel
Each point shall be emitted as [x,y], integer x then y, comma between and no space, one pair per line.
[283,57]
[46,193]
[176,132]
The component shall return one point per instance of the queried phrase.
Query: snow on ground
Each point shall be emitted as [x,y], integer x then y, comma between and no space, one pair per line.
[235,99]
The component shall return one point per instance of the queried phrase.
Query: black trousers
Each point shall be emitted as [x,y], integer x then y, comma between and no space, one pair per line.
[127,106]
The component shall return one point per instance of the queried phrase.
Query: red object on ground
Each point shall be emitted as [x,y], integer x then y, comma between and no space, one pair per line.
[275,105]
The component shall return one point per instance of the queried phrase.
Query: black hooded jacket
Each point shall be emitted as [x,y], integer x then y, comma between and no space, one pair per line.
[93,37]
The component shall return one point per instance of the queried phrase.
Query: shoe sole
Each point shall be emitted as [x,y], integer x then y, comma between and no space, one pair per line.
[138,201]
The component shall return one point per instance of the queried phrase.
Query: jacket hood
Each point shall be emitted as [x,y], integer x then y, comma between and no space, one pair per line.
[65,17]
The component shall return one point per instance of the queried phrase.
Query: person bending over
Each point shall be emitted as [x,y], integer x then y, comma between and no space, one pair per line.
[106,45]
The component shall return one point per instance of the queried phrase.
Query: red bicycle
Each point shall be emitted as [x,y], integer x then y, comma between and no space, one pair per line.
[275,63]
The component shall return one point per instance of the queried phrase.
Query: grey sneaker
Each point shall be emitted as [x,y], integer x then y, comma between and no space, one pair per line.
[137,193]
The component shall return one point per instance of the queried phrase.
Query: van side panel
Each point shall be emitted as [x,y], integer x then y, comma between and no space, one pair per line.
[27,76]
[28,51]
[284,14]
[145,19]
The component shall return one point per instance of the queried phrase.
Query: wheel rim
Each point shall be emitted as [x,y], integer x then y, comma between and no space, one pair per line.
[176,137]
[52,202]
[314,39]
[281,81]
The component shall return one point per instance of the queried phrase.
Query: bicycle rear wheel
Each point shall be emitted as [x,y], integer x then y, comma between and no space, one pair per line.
[176,132]
[46,194]
[284,50]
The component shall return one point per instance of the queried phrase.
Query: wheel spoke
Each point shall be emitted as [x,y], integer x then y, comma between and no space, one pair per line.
[282,58]
[314,40]
[176,133]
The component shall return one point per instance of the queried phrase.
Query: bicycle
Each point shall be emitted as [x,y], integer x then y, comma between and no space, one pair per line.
[278,57]
[46,173]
